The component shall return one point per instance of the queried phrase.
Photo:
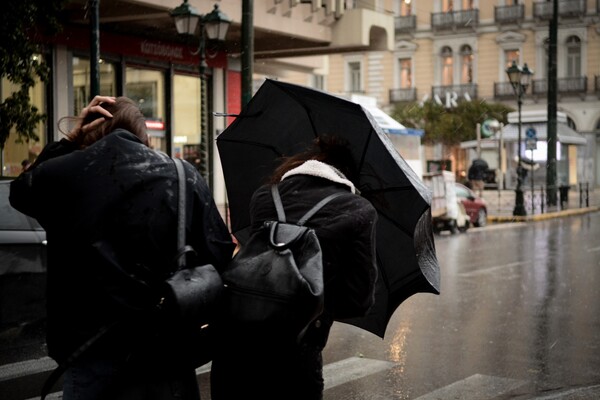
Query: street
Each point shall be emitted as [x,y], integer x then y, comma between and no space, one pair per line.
[518,318]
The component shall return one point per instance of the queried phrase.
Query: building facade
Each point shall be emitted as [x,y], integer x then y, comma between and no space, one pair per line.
[458,50]
[143,57]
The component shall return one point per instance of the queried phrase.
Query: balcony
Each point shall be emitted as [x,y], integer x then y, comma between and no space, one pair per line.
[455,20]
[568,86]
[509,14]
[504,90]
[566,8]
[403,95]
[405,24]
[467,91]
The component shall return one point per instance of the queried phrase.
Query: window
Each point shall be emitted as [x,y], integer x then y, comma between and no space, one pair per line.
[81,81]
[15,153]
[354,76]
[318,82]
[510,56]
[466,74]
[447,66]
[147,88]
[186,118]
[405,8]
[405,73]
[447,5]
[573,57]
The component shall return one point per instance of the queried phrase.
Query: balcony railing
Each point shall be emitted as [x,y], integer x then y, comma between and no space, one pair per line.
[455,19]
[509,14]
[597,84]
[405,24]
[566,8]
[465,91]
[402,95]
[577,85]
[504,90]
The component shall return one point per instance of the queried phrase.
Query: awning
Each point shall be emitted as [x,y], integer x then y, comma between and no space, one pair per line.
[565,135]
[389,124]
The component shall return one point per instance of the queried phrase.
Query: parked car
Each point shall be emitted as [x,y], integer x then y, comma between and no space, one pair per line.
[22,283]
[475,206]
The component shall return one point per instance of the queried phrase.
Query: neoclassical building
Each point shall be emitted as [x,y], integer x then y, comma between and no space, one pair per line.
[458,50]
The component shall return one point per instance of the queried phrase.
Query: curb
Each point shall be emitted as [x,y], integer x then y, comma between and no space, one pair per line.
[541,217]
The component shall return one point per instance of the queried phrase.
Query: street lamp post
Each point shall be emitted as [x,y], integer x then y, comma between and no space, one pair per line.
[213,26]
[519,78]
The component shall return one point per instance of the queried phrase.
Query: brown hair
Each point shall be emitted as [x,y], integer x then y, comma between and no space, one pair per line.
[126,115]
[330,150]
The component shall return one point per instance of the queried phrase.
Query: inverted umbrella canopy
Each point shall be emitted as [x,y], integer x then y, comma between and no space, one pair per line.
[283,119]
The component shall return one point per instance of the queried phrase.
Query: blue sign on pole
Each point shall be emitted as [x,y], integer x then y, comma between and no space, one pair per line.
[530,139]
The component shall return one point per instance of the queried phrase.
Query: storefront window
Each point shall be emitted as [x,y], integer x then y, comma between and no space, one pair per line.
[186,118]
[147,88]
[81,82]
[14,154]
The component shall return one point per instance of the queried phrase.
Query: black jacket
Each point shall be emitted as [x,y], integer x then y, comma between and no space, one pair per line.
[119,190]
[346,231]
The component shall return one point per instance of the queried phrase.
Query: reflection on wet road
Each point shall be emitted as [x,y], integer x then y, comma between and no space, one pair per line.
[519,302]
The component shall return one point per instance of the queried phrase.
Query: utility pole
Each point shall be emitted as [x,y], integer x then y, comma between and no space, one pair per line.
[94,9]
[552,91]
[247,50]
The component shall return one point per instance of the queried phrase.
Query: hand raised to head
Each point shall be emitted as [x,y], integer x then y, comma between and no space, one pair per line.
[95,106]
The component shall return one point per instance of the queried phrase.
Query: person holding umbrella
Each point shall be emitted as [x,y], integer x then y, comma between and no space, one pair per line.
[346,231]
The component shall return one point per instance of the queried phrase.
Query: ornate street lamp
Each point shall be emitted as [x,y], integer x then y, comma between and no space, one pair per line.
[213,27]
[520,78]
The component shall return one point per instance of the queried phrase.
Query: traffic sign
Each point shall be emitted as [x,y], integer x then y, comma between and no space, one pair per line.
[530,143]
[531,133]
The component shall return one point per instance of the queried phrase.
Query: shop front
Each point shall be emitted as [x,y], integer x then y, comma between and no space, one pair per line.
[161,77]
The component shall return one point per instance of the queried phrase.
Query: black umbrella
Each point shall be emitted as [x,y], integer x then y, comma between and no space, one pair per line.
[283,119]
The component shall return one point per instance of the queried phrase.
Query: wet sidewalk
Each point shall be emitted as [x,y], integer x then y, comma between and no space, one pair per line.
[501,203]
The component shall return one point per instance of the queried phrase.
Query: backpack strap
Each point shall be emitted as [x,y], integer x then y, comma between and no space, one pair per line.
[305,217]
[278,203]
[182,247]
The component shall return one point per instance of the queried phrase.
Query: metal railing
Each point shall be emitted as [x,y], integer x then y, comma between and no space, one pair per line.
[402,95]
[464,91]
[503,90]
[405,24]
[455,19]
[576,85]
[508,14]
[566,8]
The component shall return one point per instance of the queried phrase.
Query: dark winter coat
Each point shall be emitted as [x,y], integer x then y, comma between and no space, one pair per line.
[346,231]
[119,190]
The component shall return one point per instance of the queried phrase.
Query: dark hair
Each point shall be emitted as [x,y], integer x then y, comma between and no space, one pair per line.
[331,150]
[126,115]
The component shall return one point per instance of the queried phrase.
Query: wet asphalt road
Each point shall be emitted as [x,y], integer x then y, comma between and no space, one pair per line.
[518,317]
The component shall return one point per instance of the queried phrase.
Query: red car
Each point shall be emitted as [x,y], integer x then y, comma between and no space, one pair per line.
[474,205]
